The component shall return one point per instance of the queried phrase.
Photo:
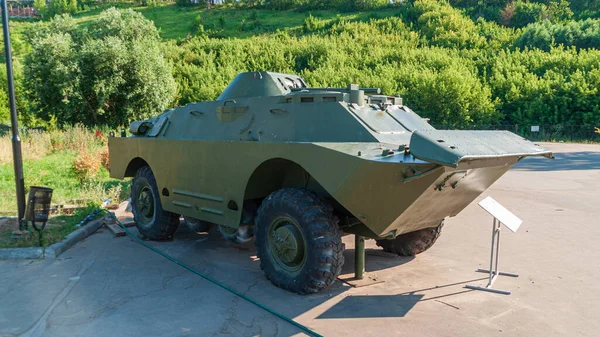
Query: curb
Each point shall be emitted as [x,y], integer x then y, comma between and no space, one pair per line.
[21,253]
[54,250]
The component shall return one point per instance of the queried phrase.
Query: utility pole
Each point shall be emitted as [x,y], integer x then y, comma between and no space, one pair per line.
[16,141]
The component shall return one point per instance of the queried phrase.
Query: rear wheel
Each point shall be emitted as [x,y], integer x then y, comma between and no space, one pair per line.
[150,218]
[197,225]
[298,241]
[237,236]
[412,243]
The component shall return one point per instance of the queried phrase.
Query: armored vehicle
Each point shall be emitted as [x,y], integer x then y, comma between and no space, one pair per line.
[298,167]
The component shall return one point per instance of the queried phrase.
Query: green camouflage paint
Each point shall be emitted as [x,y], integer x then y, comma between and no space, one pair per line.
[384,169]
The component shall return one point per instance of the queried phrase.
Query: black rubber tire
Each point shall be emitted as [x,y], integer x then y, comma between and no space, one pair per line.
[412,243]
[162,224]
[319,228]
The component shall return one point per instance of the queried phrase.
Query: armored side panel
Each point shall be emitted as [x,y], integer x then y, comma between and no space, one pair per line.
[383,168]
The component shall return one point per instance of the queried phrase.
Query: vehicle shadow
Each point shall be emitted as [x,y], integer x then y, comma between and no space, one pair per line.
[564,161]
[375,259]
[370,306]
[239,269]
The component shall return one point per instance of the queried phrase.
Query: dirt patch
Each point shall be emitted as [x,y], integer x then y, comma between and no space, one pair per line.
[8,224]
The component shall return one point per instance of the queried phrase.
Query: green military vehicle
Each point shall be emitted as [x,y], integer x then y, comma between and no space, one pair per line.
[298,167]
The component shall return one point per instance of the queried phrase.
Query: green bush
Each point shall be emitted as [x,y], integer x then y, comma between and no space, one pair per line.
[447,67]
[361,5]
[52,8]
[108,75]
[542,35]
[312,24]
[559,87]
[445,26]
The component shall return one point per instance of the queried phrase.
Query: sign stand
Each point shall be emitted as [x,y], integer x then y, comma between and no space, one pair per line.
[501,216]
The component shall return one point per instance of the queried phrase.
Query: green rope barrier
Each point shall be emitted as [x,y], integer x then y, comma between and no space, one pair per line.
[208,278]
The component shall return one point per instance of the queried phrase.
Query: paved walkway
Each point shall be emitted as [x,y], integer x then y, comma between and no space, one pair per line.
[109,286]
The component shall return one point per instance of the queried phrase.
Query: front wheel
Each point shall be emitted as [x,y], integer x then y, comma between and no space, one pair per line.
[298,241]
[150,218]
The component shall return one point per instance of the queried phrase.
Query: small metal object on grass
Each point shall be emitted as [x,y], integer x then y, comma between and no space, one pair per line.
[93,215]
[38,208]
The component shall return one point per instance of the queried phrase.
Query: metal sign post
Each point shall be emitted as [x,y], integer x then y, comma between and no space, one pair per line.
[16,141]
[501,216]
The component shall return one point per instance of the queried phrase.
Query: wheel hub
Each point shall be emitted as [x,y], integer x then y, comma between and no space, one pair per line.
[288,244]
[145,203]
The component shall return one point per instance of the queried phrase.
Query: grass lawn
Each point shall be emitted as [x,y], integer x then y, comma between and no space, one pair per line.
[56,230]
[54,171]
[69,161]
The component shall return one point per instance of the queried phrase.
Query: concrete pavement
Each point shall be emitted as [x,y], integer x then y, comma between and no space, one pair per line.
[107,286]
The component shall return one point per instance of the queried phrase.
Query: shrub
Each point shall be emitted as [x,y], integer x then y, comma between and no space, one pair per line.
[86,166]
[104,157]
[542,35]
[109,75]
[559,87]
[361,5]
[446,26]
[52,8]
[312,24]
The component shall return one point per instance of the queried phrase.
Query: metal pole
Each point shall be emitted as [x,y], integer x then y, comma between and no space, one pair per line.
[492,255]
[359,257]
[497,249]
[16,141]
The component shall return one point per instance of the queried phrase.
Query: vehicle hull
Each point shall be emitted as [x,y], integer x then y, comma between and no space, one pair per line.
[388,195]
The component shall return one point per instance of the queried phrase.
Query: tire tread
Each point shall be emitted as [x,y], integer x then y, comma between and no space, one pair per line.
[165,223]
[322,236]
[413,243]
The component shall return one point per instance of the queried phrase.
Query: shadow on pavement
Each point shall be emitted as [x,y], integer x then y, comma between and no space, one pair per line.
[371,306]
[239,268]
[374,260]
[563,162]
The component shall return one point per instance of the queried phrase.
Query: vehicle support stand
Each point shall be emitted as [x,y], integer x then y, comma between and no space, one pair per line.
[493,271]
[359,257]
[359,278]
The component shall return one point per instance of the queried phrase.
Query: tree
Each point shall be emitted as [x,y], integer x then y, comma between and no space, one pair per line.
[40,7]
[56,7]
[111,74]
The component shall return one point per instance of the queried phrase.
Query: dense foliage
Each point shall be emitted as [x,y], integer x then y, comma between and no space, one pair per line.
[519,13]
[344,5]
[447,66]
[48,9]
[110,74]
[581,34]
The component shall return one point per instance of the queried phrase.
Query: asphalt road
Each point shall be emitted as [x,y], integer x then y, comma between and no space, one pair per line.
[107,286]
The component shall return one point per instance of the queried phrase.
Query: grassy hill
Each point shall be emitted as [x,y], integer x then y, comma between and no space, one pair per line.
[176,23]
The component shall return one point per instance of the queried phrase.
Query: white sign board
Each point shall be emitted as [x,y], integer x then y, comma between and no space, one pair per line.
[502,214]
[535,128]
